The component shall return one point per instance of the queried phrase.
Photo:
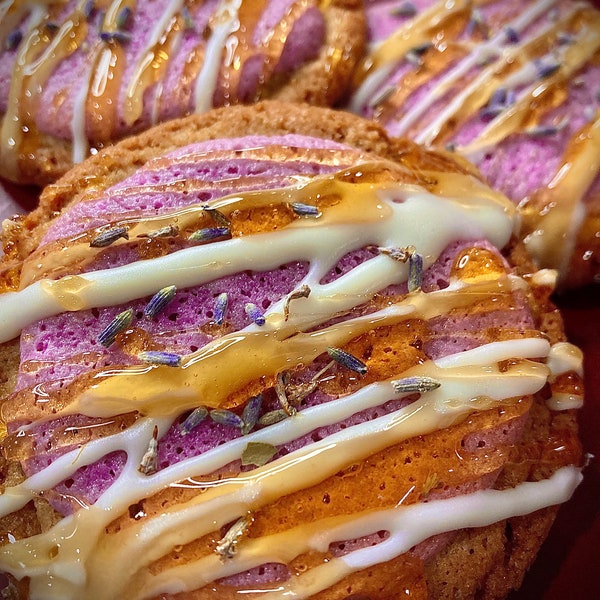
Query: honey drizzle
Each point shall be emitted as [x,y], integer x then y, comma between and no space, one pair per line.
[153,62]
[553,214]
[11,134]
[208,373]
[224,499]
[521,114]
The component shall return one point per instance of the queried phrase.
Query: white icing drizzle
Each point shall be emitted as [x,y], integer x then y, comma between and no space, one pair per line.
[225,22]
[563,358]
[494,47]
[78,120]
[410,223]
[464,390]
[408,35]
[407,526]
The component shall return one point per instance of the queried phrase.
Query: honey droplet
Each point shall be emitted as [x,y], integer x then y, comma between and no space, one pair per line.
[477,264]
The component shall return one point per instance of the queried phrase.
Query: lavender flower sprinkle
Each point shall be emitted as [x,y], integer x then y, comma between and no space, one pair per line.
[13,39]
[226,417]
[153,357]
[347,360]
[120,323]
[159,301]
[305,210]
[250,414]
[415,384]
[193,420]
[109,236]
[255,314]
[209,233]
[415,272]
[221,306]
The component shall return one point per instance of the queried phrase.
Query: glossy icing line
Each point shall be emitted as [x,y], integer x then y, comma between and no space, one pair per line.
[69,560]
[408,223]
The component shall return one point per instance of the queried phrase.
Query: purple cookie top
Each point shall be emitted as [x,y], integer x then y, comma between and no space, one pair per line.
[57,350]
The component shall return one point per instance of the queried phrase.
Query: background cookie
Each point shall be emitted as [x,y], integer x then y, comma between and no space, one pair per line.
[437,370]
[76,76]
[513,86]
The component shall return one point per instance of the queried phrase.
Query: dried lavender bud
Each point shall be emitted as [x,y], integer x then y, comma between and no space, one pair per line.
[477,21]
[272,417]
[512,36]
[543,131]
[188,22]
[415,55]
[415,384]
[221,306]
[250,414]
[255,313]
[406,9]
[123,17]
[226,547]
[159,301]
[167,359]
[302,292]
[89,8]
[109,236]
[217,216]
[347,360]
[565,39]
[149,462]
[305,210]
[226,417]
[209,233]
[193,419]
[546,69]
[121,322]
[415,272]
[13,39]
[122,37]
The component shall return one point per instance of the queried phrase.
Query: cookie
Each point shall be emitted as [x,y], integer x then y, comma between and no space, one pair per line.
[512,86]
[79,75]
[270,350]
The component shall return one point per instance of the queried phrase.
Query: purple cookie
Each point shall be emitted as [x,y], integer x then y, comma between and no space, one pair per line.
[78,75]
[254,358]
[513,86]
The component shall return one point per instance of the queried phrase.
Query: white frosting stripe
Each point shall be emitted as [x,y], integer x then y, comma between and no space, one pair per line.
[410,223]
[407,525]
[225,23]
[449,370]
